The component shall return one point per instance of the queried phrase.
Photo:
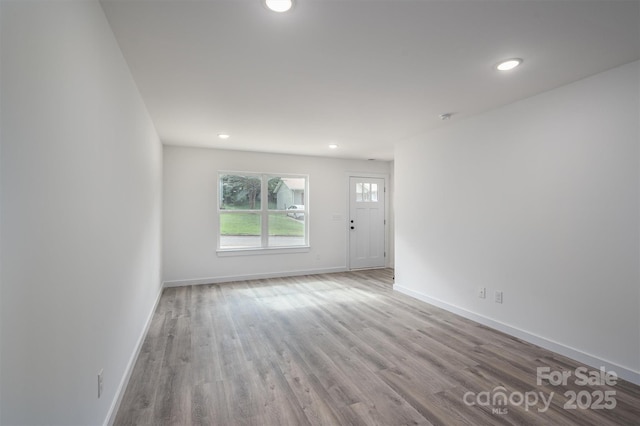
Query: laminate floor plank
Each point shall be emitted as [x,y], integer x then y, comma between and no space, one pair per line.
[323,402]
[172,405]
[144,381]
[372,392]
[342,349]
[309,392]
[423,400]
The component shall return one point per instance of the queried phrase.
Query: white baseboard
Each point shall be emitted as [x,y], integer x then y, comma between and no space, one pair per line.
[580,356]
[230,278]
[115,405]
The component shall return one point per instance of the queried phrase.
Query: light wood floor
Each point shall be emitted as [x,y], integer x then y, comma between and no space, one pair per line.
[338,349]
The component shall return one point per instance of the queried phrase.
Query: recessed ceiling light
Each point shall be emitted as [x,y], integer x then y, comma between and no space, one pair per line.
[333,146]
[509,64]
[223,136]
[279,5]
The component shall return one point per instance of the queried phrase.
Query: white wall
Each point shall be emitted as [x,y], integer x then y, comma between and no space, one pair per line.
[392,217]
[81,171]
[190,214]
[1,133]
[538,199]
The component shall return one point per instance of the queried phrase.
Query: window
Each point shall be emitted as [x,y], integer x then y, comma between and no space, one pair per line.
[366,192]
[261,211]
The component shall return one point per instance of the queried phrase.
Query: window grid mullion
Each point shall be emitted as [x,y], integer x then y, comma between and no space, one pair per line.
[264,210]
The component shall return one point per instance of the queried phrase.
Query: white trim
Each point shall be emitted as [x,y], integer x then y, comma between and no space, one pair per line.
[576,354]
[115,404]
[231,278]
[262,250]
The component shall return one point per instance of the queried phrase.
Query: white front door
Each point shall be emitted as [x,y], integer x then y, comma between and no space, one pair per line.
[366,223]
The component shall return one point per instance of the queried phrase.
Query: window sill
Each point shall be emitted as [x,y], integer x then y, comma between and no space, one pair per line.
[261,251]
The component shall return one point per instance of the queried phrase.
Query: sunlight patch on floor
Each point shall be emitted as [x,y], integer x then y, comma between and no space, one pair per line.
[306,298]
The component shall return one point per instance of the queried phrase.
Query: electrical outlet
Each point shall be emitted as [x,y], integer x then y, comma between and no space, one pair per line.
[100,383]
[498,297]
[482,292]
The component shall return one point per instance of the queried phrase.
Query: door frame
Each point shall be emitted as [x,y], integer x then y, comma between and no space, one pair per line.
[387,227]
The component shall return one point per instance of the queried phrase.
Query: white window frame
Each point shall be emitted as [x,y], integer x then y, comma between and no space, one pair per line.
[264,212]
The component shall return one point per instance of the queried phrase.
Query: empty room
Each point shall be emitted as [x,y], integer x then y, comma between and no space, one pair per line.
[319,212]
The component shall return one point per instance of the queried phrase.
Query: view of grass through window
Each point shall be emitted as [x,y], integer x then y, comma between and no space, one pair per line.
[258,211]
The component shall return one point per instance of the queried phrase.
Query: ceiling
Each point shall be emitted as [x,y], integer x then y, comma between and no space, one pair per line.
[362,74]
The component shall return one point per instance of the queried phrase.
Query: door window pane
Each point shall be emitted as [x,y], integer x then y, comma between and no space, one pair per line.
[366,192]
[374,192]
[359,192]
